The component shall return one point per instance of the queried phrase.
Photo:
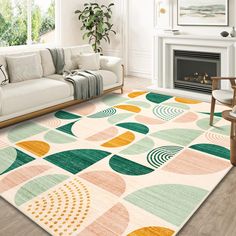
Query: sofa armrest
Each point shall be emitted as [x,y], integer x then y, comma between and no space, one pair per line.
[113,64]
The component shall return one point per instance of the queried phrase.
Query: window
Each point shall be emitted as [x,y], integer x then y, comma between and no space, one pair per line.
[26,22]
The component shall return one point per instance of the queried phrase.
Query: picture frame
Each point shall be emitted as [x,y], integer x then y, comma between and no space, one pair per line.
[203,13]
[163,14]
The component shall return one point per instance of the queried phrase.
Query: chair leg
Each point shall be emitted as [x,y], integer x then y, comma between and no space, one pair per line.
[122,90]
[213,103]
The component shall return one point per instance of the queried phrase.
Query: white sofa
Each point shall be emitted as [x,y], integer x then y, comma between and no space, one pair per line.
[22,100]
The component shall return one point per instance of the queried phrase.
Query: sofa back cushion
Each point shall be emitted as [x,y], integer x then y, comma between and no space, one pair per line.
[24,67]
[47,63]
[72,54]
[89,61]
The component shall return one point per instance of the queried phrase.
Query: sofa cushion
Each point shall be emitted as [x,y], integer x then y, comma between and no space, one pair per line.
[61,78]
[23,68]
[47,63]
[3,61]
[32,93]
[72,54]
[109,78]
[89,61]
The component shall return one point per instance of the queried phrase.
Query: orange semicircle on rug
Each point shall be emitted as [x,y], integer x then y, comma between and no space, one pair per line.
[131,108]
[120,141]
[136,94]
[152,231]
[38,148]
[187,101]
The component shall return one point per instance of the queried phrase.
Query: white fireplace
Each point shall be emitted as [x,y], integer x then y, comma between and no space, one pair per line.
[163,61]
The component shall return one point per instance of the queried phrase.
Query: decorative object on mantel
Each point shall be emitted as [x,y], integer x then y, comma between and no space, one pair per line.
[163,14]
[96,20]
[224,34]
[233,32]
[203,13]
[171,32]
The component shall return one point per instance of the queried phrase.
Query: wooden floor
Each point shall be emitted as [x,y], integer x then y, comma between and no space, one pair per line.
[216,217]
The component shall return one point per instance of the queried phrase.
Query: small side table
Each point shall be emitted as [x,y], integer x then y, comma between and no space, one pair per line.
[226,115]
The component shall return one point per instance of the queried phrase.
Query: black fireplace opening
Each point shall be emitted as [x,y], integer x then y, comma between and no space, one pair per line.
[193,70]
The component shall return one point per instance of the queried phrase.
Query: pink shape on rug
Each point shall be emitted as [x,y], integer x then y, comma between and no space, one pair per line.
[104,135]
[113,222]
[107,180]
[188,117]
[190,162]
[3,145]
[83,109]
[51,122]
[218,139]
[147,120]
[20,176]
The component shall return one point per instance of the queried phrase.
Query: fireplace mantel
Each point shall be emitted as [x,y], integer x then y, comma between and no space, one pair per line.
[164,46]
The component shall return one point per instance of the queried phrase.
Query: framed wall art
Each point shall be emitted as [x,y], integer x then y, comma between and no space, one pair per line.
[163,13]
[203,12]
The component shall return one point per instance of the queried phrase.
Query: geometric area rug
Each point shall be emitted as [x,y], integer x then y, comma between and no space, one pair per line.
[137,164]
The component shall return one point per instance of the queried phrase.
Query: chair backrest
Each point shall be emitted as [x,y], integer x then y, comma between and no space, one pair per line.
[232,81]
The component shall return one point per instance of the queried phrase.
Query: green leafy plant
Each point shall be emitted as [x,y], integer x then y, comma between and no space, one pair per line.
[96,21]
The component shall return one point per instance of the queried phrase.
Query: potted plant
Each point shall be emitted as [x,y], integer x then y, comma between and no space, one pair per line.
[96,21]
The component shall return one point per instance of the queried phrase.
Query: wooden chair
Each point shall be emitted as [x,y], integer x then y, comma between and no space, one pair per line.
[226,97]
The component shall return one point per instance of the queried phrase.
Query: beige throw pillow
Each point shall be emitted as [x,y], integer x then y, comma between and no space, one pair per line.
[23,68]
[3,76]
[89,61]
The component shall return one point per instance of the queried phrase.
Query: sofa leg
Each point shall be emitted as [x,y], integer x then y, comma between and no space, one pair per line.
[122,90]
[213,103]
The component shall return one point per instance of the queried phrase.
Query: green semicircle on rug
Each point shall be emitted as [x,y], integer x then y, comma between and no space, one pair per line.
[157,98]
[67,128]
[181,137]
[140,147]
[212,149]
[140,128]
[105,113]
[119,117]
[173,203]
[64,115]
[37,186]
[58,137]
[11,158]
[127,167]
[23,131]
[159,156]
[77,160]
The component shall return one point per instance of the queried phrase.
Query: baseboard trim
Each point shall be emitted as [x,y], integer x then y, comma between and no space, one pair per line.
[140,74]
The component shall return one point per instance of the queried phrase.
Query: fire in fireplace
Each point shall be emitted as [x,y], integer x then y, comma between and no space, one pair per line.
[193,70]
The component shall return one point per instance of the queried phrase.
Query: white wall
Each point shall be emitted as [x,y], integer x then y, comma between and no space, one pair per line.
[115,48]
[133,22]
[140,38]
[68,25]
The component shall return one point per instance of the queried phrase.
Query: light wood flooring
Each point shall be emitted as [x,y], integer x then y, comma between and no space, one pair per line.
[216,217]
